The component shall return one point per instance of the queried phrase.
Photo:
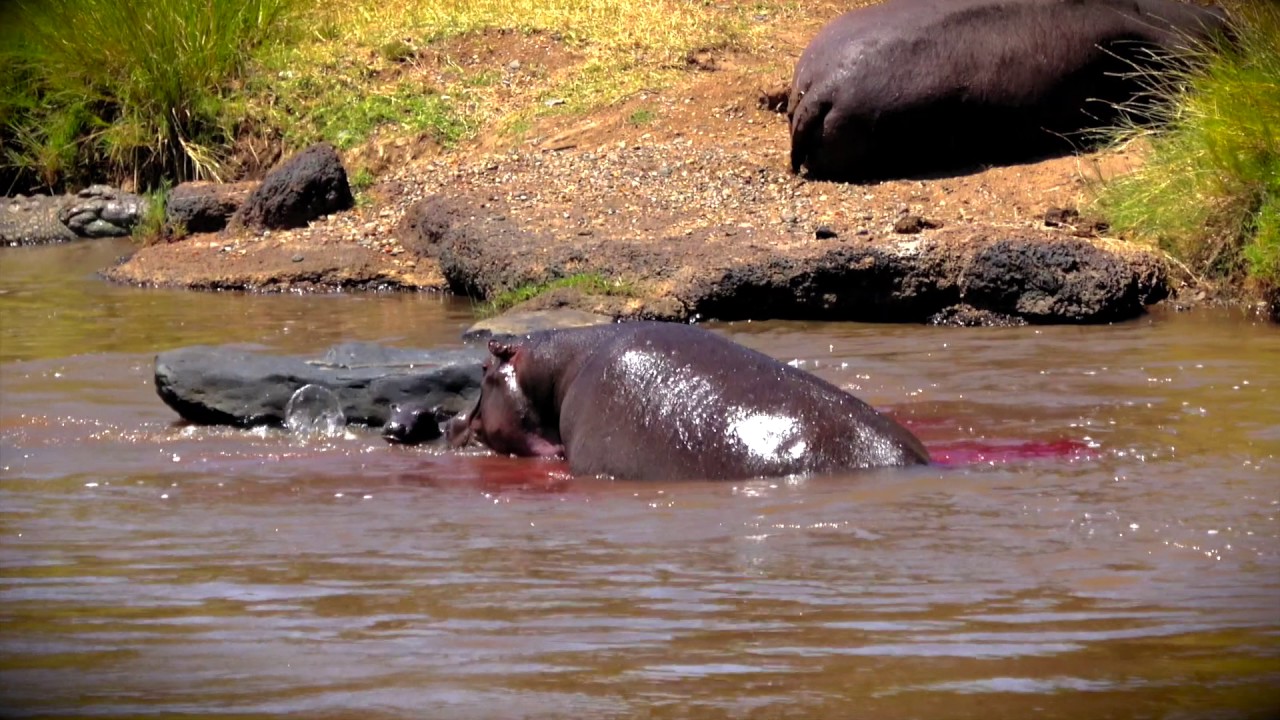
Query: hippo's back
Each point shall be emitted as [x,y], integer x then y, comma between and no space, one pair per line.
[658,400]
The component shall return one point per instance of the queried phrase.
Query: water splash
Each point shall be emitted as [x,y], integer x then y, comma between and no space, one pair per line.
[314,410]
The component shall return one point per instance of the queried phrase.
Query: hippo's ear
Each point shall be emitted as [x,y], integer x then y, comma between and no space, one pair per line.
[503,350]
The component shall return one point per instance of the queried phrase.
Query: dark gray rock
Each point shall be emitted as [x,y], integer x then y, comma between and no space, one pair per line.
[1060,216]
[914,224]
[461,232]
[1037,277]
[235,386]
[203,207]
[308,185]
[963,315]
[439,220]
[1068,279]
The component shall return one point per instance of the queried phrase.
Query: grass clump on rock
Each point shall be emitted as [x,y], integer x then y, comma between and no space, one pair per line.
[140,87]
[1209,190]
[585,283]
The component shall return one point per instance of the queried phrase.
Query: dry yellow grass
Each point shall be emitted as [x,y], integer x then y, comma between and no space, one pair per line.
[656,32]
[335,85]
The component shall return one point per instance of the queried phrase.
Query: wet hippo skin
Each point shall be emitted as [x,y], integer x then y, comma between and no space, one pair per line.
[652,400]
[410,424]
[911,87]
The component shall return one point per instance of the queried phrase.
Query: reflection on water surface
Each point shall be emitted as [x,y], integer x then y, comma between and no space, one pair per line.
[1100,541]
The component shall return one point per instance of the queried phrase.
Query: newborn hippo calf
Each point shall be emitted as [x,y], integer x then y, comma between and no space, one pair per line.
[410,425]
[920,86]
[652,400]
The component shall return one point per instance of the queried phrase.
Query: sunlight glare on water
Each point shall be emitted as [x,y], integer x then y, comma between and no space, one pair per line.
[1098,539]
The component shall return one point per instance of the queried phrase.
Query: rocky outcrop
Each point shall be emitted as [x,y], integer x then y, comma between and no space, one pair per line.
[235,386]
[1004,275]
[308,185]
[438,218]
[203,207]
[1044,279]
[95,212]
[1036,277]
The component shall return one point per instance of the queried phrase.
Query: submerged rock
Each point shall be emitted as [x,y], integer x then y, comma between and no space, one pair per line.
[235,386]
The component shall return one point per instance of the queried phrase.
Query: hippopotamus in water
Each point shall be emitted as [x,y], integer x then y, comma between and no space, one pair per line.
[650,400]
[410,424]
[919,86]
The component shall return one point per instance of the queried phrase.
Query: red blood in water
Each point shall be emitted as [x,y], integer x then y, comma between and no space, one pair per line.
[493,473]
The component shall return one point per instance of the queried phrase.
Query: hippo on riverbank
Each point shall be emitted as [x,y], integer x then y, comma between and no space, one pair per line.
[920,86]
[651,400]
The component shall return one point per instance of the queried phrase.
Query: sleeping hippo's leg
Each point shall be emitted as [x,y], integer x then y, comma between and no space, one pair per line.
[807,118]
[830,139]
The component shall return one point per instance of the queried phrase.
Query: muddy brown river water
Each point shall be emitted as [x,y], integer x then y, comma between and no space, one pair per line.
[1100,538]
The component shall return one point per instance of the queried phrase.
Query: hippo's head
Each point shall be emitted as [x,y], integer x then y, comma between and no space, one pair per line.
[504,418]
[412,424]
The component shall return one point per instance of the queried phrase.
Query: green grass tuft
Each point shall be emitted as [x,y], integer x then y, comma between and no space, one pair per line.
[413,111]
[586,283]
[397,51]
[1209,191]
[152,227]
[643,116]
[362,179]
